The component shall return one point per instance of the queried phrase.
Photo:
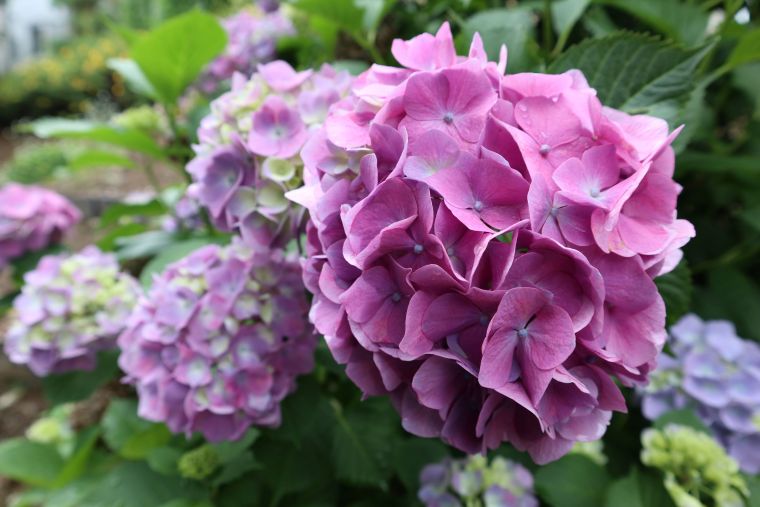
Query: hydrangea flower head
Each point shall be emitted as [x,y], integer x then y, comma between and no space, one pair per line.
[70,308]
[482,246]
[717,374]
[248,155]
[251,39]
[696,467]
[218,341]
[475,481]
[32,218]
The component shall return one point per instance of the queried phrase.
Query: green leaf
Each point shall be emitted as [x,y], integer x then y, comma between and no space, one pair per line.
[683,417]
[363,442]
[679,20]
[76,465]
[30,462]
[565,13]
[348,15]
[747,50]
[734,296]
[168,255]
[753,483]
[676,288]
[290,469]
[640,488]
[514,27]
[636,73]
[143,244]
[134,484]
[108,242]
[228,451]
[718,164]
[133,76]
[164,459]
[572,481]
[235,468]
[354,67]
[115,212]
[130,139]
[128,435]
[96,158]
[79,385]
[411,455]
[173,54]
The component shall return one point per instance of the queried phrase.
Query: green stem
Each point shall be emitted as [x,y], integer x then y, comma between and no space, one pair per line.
[152,178]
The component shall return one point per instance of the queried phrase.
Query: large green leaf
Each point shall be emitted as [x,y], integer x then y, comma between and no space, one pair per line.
[640,488]
[684,417]
[172,55]
[682,21]
[363,443]
[130,436]
[78,385]
[97,158]
[30,462]
[676,288]
[565,13]
[130,139]
[732,295]
[747,50]
[573,481]
[514,27]
[636,73]
[133,76]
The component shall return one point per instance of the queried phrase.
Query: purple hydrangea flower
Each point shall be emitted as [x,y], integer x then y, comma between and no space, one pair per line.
[71,307]
[218,341]
[248,155]
[32,218]
[716,373]
[473,481]
[481,246]
[251,39]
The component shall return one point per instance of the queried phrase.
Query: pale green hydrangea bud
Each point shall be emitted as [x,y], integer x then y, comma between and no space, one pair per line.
[199,463]
[698,472]
[593,450]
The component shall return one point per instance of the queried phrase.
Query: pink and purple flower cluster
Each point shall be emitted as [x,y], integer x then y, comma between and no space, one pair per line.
[251,39]
[71,307]
[32,218]
[482,246]
[247,157]
[475,482]
[218,341]
[716,373]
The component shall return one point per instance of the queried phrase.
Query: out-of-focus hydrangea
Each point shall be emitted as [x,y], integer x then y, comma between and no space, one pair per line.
[186,216]
[248,151]
[697,470]
[252,36]
[482,246]
[32,218]
[717,374]
[70,308]
[218,341]
[473,482]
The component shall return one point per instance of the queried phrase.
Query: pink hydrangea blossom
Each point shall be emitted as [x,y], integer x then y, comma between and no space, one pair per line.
[481,246]
[248,154]
[32,218]
[218,341]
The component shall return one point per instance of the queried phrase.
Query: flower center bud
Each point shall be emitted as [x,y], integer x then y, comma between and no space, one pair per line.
[448,118]
[544,149]
[478,206]
[522,333]
[396,297]
[484,319]
[418,248]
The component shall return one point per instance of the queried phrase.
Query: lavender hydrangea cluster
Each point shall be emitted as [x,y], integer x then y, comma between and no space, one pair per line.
[218,341]
[482,246]
[251,39]
[248,154]
[32,218]
[473,482]
[716,373]
[71,307]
